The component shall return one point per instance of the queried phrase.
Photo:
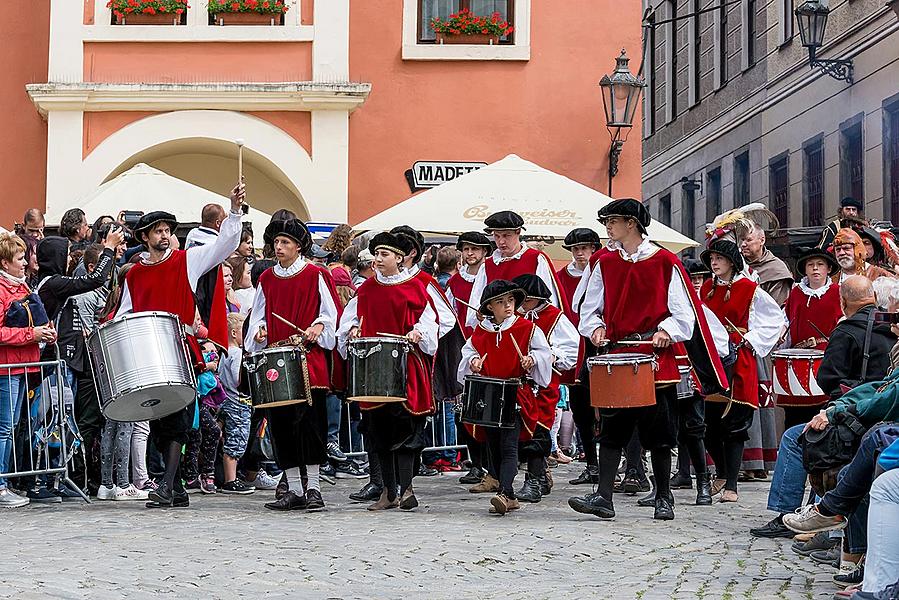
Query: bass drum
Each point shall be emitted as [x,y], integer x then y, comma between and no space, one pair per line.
[141,366]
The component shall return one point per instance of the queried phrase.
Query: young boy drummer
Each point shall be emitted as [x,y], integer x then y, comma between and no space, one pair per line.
[564,342]
[301,293]
[506,346]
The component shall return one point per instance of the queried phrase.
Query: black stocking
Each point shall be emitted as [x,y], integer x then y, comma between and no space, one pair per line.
[608,468]
[661,468]
[388,473]
[172,458]
[405,463]
[733,456]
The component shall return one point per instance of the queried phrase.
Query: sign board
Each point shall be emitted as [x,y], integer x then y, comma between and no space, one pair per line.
[428,174]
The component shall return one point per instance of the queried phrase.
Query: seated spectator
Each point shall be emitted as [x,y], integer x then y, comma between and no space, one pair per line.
[882,564]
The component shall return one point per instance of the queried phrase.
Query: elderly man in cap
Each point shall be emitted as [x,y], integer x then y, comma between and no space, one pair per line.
[851,254]
[850,210]
[166,280]
[301,293]
[511,259]
[635,289]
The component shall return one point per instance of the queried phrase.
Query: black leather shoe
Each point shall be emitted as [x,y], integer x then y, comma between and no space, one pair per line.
[282,487]
[314,500]
[408,501]
[774,528]
[593,504]
[703,489]
[425,471]
[633,483]
[650,498]
[161,496]
[589,475]
[368,493]
[289,501]
[180,499]
[821,541]
[664,508]
[681,482]
[530,490]
[546,483]
[474,475]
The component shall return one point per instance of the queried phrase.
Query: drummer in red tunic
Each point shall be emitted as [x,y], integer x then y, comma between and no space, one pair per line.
[491,352]
[582,243]
[754,322]
[511,259]
[635,289]
[813,310]
[166,280]
[564,342]
[395,302]
[302,293]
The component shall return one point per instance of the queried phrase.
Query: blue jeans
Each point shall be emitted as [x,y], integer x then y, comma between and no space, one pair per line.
[333,406]
[882,560]
[788,483]
[12,394]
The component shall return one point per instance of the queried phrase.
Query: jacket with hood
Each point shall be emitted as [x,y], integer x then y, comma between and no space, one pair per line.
[17,344]
[55,289]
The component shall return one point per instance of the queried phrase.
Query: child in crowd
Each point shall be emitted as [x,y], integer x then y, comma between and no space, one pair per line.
[203,442]
[236,410]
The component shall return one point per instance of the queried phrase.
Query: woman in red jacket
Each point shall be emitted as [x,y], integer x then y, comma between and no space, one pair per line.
[18,345]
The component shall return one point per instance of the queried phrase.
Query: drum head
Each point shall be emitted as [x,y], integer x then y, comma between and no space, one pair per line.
[798,353]
[152,402]
[624,358]
[376,399]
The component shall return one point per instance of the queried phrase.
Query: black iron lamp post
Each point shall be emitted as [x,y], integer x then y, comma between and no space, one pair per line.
[812,17]
[621,93]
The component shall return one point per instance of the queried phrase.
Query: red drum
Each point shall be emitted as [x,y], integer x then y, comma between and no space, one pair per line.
[622,380]
[794,377]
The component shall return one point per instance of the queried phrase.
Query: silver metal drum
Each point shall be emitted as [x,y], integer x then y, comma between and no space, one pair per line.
[141,366]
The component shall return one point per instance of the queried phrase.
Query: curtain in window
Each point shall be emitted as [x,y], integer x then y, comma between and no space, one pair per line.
[435,8]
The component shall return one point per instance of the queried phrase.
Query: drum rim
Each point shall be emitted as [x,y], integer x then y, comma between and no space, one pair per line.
[137,315]
[623,358]
[795,353]
[166,384]
[485,378]
[277,350]
[381,340]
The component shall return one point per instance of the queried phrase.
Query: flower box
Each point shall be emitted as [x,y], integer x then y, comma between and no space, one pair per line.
[144,19]
[481,39]
[147,12]
[246,18]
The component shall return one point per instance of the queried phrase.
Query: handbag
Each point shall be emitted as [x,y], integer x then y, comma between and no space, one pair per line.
[27,312]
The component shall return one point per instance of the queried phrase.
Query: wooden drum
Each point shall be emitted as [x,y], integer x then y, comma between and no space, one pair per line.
[624,380]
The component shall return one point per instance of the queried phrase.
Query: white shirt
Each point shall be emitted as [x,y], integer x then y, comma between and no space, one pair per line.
[544,272]
[445,313]
[428,325]
[540,351]
[327,311]
[719,334]
[591,289]
[766,321]
[816,293]
[201,259]
[564,341]
[200,236]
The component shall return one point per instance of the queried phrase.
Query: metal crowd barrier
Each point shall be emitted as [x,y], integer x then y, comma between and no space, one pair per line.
[44,436]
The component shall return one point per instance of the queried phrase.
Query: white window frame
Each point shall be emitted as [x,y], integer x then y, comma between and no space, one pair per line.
[519,50]
[785,23]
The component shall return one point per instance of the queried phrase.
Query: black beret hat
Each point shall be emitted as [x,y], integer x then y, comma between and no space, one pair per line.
[474,238]
[401,245]
[695,266]
[725,248]
[498,288]
[849,201]
[628,208]
[533,286]
[291,228]
[418,240]
[809,253]
[581,235]
[148,220]
[504,220]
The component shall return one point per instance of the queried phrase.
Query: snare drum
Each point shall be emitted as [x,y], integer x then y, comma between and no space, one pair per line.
[141,366]
[794,376]
[685,387]
[279,376]
[624,380]
[490,402]
[377,369]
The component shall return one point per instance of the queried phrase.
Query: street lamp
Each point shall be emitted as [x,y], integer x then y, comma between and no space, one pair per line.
[621,93]
[812,17]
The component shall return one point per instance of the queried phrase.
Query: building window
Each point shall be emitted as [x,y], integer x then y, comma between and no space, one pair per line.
[852,162]
[891,149]
[671,62]
[693,54]
[688,217]
[785,22]
[741,180]
[649,103]
[814,183]
[713,195]
[428,9]
[748,34]
[721,45]
[779,186]
[665,210]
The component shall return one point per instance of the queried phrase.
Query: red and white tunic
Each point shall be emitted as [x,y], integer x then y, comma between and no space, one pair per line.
[637,293]
[304,294]
[564,343]
[569,278]
[527,261]
[446,316]
[503,362]
[458,292]
[803,308]
[747,312]
[397,304]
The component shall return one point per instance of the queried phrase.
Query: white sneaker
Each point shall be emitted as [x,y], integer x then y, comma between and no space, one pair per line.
[264,481]
[130,493]
[106,493]
[10,499]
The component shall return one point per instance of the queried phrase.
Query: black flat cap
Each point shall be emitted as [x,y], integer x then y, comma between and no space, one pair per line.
[849,201]
[418,240]
[533,286]
[474,238]
[398,244]
[694,266]
[725,248]
[148,220]
[498,288]
[504,220]
[581,235]
[809,253]
[291,228]
[628,208]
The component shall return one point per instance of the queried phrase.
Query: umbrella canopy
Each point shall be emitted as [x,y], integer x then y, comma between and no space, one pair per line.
[551,204]
[144,188]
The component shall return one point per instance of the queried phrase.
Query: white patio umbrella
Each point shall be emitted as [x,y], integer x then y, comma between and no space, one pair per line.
[144,188]
[551,204]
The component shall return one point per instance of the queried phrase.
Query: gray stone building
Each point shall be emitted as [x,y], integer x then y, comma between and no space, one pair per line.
[733,113]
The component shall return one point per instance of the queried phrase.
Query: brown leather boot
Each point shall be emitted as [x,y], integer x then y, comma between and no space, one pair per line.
[487,486]
[383,503]
[501,504]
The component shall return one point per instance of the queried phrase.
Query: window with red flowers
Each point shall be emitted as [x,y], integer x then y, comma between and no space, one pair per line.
[428,9]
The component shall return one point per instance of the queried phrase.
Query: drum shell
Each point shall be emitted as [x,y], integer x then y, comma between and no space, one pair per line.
[278,377]
[794,373]
[490,402]
[141,366]
[628,384]
[377,369]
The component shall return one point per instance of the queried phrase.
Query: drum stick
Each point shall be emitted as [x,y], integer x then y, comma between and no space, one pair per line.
[517,349]
[286,322]
[818,330]
[239,143]
[635,342]
[734,327]
[391,335]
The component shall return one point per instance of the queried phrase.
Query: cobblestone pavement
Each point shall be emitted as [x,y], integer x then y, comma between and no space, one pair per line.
[231,547]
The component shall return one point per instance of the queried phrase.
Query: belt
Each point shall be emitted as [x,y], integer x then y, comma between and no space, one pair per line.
[736,329]
[245,400]
[810,342]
